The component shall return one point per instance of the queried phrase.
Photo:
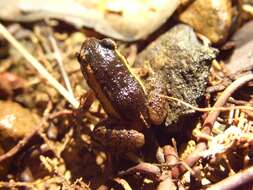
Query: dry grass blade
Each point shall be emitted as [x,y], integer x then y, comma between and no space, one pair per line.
[40,68]
[58,59]
[209,109]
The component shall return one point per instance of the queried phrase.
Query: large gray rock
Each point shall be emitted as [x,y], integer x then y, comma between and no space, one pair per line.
[178,61]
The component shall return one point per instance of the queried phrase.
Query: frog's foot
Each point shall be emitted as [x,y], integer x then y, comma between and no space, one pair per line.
[119,140]
[86,100]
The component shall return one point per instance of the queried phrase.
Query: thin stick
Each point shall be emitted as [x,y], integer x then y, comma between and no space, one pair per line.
[38,127]
[148,169]
[22,142]
[211,118]
[206,109]
[58,59]
[11,184]
[40,68]
[235,181]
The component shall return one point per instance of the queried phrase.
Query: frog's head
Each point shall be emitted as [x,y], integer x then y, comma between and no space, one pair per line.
[95,57]
[94,51]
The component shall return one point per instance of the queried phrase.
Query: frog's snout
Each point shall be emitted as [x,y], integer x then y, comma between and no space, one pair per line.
[82,55]
[78,56]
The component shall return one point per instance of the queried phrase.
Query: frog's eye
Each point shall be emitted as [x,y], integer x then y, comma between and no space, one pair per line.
[108,43]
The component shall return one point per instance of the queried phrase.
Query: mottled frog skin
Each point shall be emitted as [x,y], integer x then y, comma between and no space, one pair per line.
[107,73]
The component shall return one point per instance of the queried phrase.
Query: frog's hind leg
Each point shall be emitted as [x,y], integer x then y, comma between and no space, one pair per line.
[119,140]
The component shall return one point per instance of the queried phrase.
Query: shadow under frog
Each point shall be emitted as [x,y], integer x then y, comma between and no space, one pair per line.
[132,106]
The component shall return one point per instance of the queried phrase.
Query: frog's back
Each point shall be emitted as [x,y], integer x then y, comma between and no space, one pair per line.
[114,78]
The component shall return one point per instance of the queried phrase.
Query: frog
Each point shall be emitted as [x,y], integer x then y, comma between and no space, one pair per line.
[130,106]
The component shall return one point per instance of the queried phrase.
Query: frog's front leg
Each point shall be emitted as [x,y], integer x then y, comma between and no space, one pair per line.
[118,137]
[157,106]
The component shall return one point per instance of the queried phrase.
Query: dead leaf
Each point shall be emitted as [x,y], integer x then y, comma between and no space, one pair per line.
[126,20]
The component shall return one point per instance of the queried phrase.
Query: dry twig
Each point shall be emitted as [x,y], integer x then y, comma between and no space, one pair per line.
[209,121]
[26,139]
[214,108]
[211,118]
[22,143]
[234,181]
[147,169]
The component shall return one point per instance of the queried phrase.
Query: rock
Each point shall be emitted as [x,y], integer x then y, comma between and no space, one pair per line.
[11,84]
[184,64]
[211,18]
[16,122]
[242,57]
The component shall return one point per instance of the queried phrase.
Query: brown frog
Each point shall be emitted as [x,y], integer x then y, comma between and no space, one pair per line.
[121,94]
